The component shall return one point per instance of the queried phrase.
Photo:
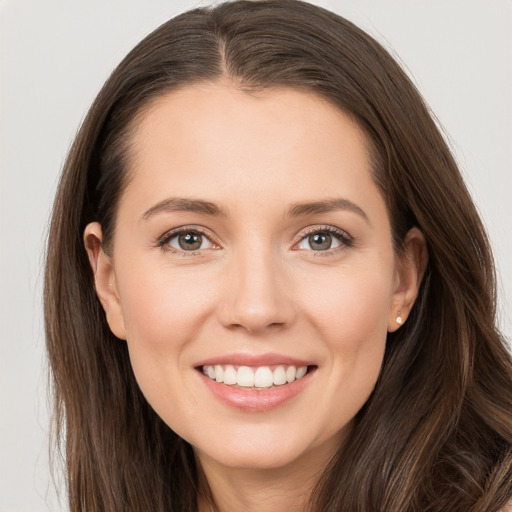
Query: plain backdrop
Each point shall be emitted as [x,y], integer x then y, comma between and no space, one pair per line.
[54,57]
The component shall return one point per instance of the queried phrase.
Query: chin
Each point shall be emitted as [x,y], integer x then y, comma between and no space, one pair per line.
[256,460]
[260,460]
[266,451]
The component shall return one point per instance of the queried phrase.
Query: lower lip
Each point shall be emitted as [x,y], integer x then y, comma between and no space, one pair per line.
[254,400]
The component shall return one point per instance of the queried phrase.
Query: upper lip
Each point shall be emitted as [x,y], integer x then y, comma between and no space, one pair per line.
[239,359]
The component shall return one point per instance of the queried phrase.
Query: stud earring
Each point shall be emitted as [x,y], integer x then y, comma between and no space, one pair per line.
[398,319]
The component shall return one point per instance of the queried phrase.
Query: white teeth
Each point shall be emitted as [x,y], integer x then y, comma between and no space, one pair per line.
[279,376]
[258,377]
[301,371]
[230,375]
[263,378]
[291,373]
[245,377]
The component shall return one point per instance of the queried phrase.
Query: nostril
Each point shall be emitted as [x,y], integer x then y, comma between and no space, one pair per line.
[276,324]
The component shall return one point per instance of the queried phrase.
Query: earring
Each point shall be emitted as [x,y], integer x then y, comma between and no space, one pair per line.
[398,319]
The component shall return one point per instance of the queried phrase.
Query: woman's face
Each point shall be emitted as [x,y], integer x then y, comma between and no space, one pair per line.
[251,245]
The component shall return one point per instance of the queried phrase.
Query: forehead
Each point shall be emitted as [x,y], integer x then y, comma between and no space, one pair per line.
[213,139]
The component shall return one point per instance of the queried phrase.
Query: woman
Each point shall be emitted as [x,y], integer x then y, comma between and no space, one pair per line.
[267,286]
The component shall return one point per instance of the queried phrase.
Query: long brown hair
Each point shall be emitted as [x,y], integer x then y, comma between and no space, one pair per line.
[436,434]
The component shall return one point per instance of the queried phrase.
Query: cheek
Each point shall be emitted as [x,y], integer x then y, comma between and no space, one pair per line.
[348,306]
[163,313]
[350,317]
[163,307]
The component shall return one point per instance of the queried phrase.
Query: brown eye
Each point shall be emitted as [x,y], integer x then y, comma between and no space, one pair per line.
[320,241]
[189,241]
[324,240]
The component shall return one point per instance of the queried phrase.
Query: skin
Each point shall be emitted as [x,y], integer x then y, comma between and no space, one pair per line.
[257,285]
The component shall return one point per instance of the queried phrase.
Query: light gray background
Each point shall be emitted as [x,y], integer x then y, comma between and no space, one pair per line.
[54,57]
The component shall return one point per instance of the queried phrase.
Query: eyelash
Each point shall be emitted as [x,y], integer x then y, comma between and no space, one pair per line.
[342,236]
[163,241]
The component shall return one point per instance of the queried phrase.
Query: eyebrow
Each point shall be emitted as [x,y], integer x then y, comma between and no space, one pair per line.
[327,205]
[178,204]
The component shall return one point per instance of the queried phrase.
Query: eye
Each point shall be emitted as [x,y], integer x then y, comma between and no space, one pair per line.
[322,240]
[188,240]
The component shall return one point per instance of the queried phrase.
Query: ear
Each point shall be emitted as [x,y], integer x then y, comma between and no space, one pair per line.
[410,268]
[104,279]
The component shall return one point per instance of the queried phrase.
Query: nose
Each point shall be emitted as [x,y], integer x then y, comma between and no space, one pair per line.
[257,293]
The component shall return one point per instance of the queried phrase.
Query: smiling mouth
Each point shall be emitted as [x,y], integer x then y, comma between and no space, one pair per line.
[255,377]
